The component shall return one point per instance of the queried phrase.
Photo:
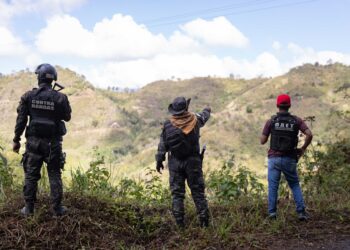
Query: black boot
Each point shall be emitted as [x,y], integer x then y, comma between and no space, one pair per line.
[60,210]
[303,216]
[28,209]
[204,222]
[180,223]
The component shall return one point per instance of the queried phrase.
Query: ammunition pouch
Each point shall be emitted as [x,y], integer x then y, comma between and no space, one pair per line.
[41,127]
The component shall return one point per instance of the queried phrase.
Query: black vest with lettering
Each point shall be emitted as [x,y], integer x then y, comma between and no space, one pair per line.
[181,145]
[284,132]
[43,111]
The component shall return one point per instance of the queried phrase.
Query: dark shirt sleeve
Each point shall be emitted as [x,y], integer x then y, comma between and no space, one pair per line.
[302,125]
[66,110]
[162,147]
[267,128]
[203,117]
[22,117]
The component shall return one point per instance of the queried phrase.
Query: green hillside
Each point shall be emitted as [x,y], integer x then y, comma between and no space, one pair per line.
[125,126]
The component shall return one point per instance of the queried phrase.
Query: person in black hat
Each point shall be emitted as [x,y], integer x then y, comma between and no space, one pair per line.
[180,139]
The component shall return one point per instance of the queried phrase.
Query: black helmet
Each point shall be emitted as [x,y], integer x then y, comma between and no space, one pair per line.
[46,72]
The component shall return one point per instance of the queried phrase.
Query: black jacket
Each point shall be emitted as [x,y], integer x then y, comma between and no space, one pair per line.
[163,148]
[42,102]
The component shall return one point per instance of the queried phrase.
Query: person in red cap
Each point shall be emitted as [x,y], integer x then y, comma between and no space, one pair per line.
[283,154]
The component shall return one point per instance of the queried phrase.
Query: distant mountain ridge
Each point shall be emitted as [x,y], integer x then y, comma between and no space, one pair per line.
[126,126]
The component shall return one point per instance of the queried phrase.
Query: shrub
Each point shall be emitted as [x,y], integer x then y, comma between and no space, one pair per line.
[249,109]
[94,123]
[129,188]
[327,169]
[155,190]
[95,180]
[149,191]
[6,176]
[224,185]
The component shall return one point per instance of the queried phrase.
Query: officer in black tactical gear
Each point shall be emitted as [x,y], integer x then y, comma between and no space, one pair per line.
[180,138]
[47,110]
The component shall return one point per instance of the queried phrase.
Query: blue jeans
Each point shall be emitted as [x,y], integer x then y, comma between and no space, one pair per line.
[288,166]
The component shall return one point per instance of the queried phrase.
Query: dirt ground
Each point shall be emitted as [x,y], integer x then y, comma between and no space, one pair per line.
[96,224]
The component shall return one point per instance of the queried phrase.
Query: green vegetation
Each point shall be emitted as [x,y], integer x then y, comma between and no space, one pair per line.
[6,177]
[117,200]
[226,185]
[135,213]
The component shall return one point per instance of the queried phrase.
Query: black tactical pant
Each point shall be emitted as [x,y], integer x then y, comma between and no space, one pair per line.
[190,170]
[38,151]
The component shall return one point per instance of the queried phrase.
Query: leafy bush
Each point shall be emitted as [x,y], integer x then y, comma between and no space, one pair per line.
[327,169]
[249,109]
[155,189]
[95,179]
[150,190]
[224,185]
[129,188]
[6,177]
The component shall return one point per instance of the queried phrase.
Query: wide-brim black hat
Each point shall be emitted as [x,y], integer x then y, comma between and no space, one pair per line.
[178,106]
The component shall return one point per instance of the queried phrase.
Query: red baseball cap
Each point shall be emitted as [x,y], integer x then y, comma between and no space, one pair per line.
[283,100]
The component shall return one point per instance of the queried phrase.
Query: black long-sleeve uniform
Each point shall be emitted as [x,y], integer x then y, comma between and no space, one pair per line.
[47,110]
[189,169]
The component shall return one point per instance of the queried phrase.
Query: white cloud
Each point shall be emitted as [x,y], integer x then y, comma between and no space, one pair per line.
[297,50]
[302,55]
[276,45]
[130,55]
[120,52]
[33,59]
[9,9]
[116,38]
[137,73]
[10,45]
[6,12]
[217,32]
[122,38]
[181,43]
[267,65]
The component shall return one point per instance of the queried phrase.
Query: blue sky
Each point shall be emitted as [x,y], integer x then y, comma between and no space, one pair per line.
[131,43]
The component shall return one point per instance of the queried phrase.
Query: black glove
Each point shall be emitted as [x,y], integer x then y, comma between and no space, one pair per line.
[159,166]
[16,147]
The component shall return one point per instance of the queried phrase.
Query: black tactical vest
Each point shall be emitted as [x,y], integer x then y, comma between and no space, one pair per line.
[284,132]
[42,111]
[181,145]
